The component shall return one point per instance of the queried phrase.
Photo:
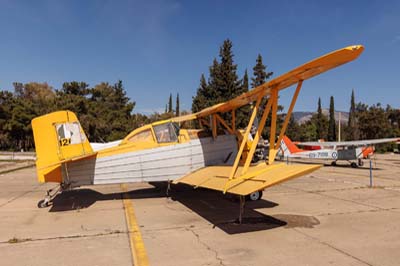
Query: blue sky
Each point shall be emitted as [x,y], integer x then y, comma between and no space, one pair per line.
[163,46]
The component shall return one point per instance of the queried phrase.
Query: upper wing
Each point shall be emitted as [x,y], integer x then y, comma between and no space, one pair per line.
[349,143]
[303,72]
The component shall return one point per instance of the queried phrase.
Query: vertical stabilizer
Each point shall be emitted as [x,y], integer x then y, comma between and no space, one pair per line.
[58,137]
[288,147]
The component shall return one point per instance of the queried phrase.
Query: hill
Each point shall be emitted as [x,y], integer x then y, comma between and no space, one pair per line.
[303,117]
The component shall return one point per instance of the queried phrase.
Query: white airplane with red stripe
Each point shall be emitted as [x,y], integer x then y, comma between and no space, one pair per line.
[333,151]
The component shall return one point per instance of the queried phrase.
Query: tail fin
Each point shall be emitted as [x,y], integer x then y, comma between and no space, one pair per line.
[288,147]
[58,137]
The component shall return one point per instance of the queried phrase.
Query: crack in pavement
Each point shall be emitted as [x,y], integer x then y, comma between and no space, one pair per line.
[359,211]
[332,247]
[221,262]
[22,240]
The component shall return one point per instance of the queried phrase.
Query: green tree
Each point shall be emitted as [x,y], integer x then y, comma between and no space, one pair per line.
[260,77]
[332,123]
[170,110]
[394,120]
[177,111]
[212,93]
[200,101]
[321,122]
[230,86]
[109,116]
[373,121]
[245,83]
[293,130]
[352,131]
[259,72]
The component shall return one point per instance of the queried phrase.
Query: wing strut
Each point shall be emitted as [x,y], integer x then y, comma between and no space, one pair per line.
[271,104]
[288,115]
[274,98]
[244,140]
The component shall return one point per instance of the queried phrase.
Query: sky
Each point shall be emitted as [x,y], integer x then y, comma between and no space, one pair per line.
[158,47]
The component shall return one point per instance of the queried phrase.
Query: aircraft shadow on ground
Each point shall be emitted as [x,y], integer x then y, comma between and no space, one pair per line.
[220,210]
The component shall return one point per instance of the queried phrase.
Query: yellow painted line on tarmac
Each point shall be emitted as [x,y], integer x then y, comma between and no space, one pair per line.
[138,250]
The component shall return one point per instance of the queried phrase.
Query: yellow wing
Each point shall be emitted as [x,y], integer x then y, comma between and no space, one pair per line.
[301,73]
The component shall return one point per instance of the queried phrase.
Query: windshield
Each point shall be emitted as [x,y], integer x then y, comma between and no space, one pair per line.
[167,132]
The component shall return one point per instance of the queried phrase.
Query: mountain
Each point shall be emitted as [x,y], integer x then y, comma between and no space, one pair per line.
[303,117]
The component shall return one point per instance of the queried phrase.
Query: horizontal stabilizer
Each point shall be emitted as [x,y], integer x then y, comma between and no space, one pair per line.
[257,178]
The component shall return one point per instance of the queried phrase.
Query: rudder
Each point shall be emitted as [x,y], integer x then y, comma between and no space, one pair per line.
[58,137]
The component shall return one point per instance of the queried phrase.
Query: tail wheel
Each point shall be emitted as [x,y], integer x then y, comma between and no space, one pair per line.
[257,195]
[43,203]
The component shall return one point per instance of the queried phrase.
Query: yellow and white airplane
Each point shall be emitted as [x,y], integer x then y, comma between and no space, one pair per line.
[218,156]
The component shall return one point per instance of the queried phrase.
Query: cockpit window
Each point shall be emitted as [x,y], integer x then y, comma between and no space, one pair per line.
[144,136]
[167,132]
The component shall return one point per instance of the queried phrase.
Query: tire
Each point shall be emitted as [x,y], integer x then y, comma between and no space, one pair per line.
[255,196]
[360,163]
[333,163]
[354,165]
[43,204]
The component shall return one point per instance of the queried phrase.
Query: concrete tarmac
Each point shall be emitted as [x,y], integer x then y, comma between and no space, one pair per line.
[330,217]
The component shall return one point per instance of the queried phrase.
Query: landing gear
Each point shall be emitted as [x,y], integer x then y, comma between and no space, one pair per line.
[241,208]
[49,196]
[257,195]
[354,165]
[168,187]
[360,162]
[333,163]
[43,203]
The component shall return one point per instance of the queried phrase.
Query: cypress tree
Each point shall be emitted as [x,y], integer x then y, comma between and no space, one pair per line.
[170,104]
[321,122]
[332,124]
[177,111]
[352,128]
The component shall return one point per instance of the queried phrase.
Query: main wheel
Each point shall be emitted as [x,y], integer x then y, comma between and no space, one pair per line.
[257,195]
[360,162]
[333,163]
[43,204]
[353,164]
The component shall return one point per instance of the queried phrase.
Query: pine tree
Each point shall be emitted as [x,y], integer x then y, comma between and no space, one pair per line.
[170,104]
[212,92]
[245,83]
[259,72]
[200,101]
[177,111]
[260,77]
[332,124]
[230,85]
